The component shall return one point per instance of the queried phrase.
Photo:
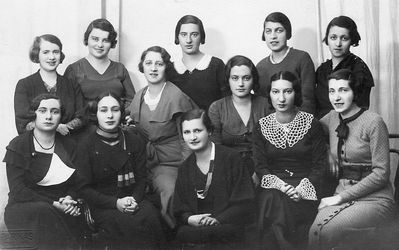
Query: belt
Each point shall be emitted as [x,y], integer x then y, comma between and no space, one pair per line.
[355,171]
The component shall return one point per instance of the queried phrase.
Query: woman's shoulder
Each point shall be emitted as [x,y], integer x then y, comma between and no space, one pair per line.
[35,77]
[263,63]
[220,104]
[20,143]
[299,54]
[216,61]
[370,118]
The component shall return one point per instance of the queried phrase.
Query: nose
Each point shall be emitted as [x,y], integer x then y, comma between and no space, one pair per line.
[189,39]
[193,137]
[240,82]
[100,43]
[49,115]
[110,114]
[338,43]
[274,34]
[153,67]
[281,97]
[51,55]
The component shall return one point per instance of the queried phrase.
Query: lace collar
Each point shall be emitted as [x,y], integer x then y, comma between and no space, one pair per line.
[290,133]
[201,65]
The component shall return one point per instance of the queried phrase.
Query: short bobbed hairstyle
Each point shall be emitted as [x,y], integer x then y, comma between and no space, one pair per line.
[189,19]
[93,105]
[164,55]
[346,74]
[102,24]
[35,103]
[35,48]
[296,85]
[197,114]
[241,61]
[347,23]
[278,17]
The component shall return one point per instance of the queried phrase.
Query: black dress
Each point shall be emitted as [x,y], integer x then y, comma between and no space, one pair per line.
[30,209]
[101,164]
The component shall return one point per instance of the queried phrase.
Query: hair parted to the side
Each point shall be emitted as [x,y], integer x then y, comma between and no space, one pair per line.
[92,106]
[35,103]
[347,23]
[278,17]
[197,114]
[104,25]
[296,85]
[241,61]
[35,48]
[190,19]
[164,55]
[346,74]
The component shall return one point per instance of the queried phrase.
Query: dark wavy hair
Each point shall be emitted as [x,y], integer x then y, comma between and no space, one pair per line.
[347,23]
[164,55]
[346,74]
[240,61]
[35,48]
[93,105]
[102,24]
[196,114]
[189,19]
[35,103]
[296,85]
[278,17]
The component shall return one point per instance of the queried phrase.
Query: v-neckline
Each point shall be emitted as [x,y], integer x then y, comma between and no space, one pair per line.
[238,114]
[95,70]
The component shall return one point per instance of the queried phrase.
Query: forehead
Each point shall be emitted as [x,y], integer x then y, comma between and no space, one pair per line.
[240,70]
[273,25]
[108,101]
[154,56]
[336,84]
[189,28]
[50,104]
[193,124]
[99,33]
[281,84]
[46,45]
[338,31]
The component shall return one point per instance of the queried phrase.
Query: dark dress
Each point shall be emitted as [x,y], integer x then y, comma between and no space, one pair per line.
[33,85]
[229,199]
[298,156]
[30,205]
[101,163]
[359,69]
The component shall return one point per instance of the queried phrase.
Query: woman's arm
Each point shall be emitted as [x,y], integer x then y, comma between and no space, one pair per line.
[259,153]
[181,208]
[214,115]
[308,82]
[129,88]
[140,169]
[21,106]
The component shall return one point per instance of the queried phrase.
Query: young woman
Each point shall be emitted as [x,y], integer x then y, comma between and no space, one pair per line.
[114,164]
[235,116]
[276,32]
[359,143]
[96,73]
[341,34]
[47,52]
[214,193]
[198,75]
[43,181]
[156,109]
[289,154]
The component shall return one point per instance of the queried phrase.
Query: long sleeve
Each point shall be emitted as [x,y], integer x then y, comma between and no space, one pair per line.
[21,106]
[319,154]
[220,79]
[214,116]
[129,88]
[365,79]
[181,206]
[140,170]
[259,153]
[308,82]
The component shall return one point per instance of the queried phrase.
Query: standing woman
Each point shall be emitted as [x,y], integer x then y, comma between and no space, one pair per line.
[276,32]
[341,34]
[214,193]
[289,154]
[359,141]
[114,163]
[47,51]
[96,73]
[42,180]
[156,109]
[198,75]
[235,116]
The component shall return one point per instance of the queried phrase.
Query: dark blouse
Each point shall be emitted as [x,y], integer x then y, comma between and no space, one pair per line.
[359,69]
[230,194]
[33,85]
[99,163]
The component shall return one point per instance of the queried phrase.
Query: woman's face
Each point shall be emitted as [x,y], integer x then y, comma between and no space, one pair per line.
[341,96]
[275,36]
[48,115]
[108,113]
[339,42]
[154,68]
[282,95]
[190,38]
[49,56]
[240,81]
[195,134]
[98,43]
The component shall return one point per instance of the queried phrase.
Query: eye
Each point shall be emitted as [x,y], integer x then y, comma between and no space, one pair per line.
[183,34]
[42,111]
[331,91]
[116,109]
[345,38]
[102,110]
[234,78]
[147,62]
[195,35]
[160,64]
[280,30]
[289,91]
[94,38]
[274,92]
[56,52]
[333,37]
[106,40]
[268,31]
[55,111]
[186,132]
[247,78]
[197,130]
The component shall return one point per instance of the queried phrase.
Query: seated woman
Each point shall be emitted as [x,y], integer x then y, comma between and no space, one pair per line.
[42,180]
[156,109]
[359,142]
[277,31]
[214,193]
[234,116]
[341,34]
[114,163]
[47,52]
[289,154]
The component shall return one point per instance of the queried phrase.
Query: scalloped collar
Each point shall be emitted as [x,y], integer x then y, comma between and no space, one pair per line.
[201,65]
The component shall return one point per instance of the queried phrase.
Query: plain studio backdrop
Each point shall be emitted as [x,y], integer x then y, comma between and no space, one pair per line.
[232,27]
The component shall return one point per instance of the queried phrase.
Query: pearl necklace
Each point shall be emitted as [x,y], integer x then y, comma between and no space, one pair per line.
[274,62]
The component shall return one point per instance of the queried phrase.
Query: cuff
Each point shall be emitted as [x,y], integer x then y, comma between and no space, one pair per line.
[306,190]
[271,181]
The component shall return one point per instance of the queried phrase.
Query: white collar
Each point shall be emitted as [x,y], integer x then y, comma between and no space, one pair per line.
[155,101]
[57,173]
[201,65]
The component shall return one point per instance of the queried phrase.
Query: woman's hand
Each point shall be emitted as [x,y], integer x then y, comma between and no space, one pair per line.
[330,201]
[291,192]
[127,204]
[195,220]
[67,205]
[63,129]
[209,221]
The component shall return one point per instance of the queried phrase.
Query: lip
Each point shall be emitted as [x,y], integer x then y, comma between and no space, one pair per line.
[240,90]
[48,123]
[281,105]
[189,46]
[110,122]
[274,43]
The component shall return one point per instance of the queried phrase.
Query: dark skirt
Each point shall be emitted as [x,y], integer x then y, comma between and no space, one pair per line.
[141,229]
[290,220]
[42,226]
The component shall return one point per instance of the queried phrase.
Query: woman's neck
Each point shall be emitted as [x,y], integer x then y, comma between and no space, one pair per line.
[191,60]
[45,138]
[241,101]
[278,56]
[49,77]
[204,155]
[100,64]
[286,117]
[107,134]
[336,60]
[155,89]
[351,111]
